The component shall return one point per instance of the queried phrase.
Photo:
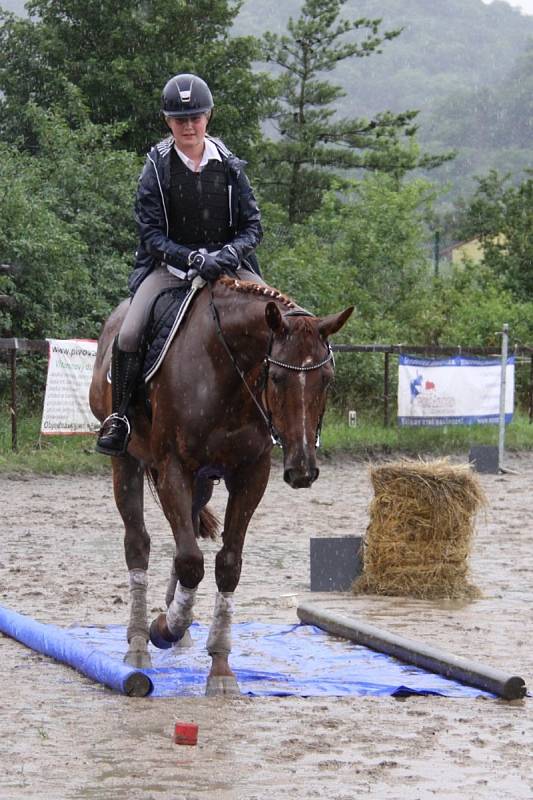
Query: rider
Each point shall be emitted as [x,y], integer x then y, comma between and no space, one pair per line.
[195,210]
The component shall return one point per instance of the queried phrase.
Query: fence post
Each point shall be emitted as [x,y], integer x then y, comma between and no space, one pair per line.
[503,384]
[13,360]
[436,253]
[386,390]
[530,389]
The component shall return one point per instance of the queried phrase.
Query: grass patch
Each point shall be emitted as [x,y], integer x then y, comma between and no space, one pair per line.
[370,438]
[62,455]
[53,455]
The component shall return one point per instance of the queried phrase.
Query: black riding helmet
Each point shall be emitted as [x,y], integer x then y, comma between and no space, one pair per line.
[185,95]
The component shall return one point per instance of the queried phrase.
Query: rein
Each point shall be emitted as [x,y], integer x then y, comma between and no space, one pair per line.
[267,415]
[267,418]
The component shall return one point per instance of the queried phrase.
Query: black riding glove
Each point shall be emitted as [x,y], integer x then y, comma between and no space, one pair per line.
[227,258]
[205,265]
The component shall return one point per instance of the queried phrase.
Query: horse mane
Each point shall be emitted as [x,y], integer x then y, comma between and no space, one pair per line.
[258,289]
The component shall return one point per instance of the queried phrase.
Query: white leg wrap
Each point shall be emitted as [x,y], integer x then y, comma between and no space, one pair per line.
[138,619]
[219,639]
[179,612]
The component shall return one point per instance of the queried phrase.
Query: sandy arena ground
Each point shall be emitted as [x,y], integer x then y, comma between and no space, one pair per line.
[62,737]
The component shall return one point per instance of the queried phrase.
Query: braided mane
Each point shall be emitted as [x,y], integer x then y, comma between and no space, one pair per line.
[261,290]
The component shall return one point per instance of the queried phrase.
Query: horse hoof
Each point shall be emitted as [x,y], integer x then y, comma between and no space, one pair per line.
[218,685]
[137,655]
[159,633]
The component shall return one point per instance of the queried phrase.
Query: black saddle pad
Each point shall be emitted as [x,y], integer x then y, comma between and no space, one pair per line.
[165,309]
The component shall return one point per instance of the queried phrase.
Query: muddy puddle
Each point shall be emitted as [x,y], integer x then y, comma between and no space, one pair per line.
[61,561]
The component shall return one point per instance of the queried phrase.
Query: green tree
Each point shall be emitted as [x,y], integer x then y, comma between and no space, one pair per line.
[366,247]
[502,216]
[66,223]
[112,60]
[313,142]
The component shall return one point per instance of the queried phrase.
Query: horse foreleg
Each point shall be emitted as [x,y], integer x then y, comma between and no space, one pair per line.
[202,494]
[175,492]
[203,491]
[128,484]
[246,488]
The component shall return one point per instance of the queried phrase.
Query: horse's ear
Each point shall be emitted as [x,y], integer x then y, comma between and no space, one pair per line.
[327,326]
[274,319]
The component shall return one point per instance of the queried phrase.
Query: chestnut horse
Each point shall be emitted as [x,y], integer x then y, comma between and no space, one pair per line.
[248,367]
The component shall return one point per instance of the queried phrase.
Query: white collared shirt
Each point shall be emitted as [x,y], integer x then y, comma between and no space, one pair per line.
[210,154]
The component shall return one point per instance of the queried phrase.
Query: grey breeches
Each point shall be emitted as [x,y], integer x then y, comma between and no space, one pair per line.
[131,332]
[130,335]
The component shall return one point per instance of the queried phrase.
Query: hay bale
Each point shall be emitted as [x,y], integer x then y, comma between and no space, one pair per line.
[420,532]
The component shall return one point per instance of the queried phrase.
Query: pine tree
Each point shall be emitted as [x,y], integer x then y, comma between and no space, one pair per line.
[313,142]
[109,61]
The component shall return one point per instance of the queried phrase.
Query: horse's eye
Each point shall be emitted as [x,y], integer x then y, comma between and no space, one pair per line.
[276,378]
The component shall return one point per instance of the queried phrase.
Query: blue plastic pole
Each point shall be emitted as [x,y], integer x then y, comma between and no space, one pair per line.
[57,643]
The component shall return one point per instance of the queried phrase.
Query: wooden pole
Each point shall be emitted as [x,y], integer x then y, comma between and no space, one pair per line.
[510,687]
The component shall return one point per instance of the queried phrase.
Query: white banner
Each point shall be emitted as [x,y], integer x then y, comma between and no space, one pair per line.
[453,391]
[66,401]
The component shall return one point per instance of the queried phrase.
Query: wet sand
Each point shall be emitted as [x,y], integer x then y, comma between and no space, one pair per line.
[63,737]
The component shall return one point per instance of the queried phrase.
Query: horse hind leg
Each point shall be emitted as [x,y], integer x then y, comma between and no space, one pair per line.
[128,485]
[137,654]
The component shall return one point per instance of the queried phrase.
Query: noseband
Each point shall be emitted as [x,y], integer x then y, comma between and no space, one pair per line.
[268,360]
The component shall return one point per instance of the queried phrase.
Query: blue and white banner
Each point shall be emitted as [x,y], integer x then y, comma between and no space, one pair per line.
[453,391]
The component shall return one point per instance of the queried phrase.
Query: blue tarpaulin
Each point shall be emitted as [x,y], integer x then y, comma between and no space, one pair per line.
[280,660]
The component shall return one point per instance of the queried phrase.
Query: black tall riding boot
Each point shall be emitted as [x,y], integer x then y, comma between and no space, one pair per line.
[116,428]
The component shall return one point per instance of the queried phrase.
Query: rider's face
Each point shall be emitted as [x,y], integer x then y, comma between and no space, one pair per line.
[188,132]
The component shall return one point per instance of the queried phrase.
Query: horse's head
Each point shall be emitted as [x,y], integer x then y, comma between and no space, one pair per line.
[300,369]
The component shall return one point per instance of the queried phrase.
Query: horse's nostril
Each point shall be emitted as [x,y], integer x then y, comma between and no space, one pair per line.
[299,478]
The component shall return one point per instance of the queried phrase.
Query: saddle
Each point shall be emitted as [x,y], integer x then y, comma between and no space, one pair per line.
[168,312]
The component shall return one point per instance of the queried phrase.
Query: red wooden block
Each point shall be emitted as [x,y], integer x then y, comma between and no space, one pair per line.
[185,733]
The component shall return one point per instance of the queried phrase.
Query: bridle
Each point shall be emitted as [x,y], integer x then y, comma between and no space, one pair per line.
[265,412]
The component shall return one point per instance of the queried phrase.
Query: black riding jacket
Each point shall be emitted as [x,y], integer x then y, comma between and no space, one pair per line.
[151,213]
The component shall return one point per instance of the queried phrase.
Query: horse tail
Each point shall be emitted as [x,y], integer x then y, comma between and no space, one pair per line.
[151,478]
[208,524]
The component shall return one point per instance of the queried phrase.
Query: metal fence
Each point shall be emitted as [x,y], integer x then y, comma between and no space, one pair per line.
[13,348]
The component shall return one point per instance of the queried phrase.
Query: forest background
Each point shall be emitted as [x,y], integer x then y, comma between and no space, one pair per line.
[373,130]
